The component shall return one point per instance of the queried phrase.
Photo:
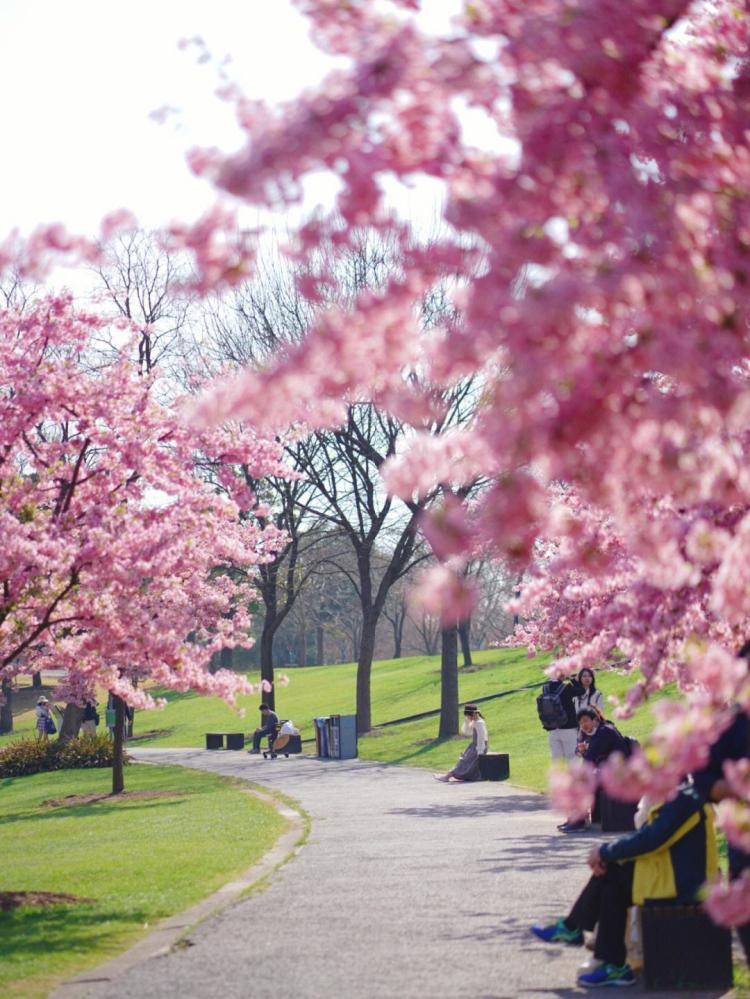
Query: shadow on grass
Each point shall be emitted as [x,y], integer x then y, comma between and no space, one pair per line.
[62,929]
[95,809]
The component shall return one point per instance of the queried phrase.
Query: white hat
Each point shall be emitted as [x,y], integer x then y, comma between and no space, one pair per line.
[42,700]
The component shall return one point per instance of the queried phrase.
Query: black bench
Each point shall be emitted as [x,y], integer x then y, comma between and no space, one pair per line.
[234,740]
[614,815]
[494,766]
[684,949]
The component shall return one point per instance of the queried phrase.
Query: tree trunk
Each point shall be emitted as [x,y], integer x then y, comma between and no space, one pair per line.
[36,680]
[302,644]
[266,662]
[71,722]
[449,683]
[320,650]
[464,630]
[396,642]
[364,669]
[118,754]
[226,658]
[6,709]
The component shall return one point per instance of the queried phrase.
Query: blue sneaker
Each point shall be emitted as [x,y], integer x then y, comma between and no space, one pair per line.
[608,974]
[558,933]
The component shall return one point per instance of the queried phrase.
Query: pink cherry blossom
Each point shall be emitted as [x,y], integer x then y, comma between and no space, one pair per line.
[728,903]
[572,789]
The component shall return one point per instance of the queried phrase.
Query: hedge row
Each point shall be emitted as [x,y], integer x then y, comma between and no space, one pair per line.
[32,756]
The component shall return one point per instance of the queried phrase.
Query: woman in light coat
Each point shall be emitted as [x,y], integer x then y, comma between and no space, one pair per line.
[474,728]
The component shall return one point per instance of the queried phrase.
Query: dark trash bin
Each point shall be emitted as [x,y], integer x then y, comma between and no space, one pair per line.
[235,740]
[214,740]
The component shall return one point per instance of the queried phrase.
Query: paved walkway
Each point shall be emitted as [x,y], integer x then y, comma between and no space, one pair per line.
[405,888]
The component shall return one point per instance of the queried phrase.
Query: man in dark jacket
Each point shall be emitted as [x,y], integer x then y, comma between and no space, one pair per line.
[269,721]
[671,856]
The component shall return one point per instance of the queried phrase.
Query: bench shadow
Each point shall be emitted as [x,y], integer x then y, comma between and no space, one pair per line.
[462,807]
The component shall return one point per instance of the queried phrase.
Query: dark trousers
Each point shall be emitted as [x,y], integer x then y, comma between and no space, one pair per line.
[260,732]
[739,861]
[604,902]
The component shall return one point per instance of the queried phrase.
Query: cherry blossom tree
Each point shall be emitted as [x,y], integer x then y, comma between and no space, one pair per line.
[604,239]
[117,560]
[600,249]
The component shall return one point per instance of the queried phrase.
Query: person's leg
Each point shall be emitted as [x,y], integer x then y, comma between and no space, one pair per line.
[257,736]
[615,900]
[568,738]
[585,912]
[555,745]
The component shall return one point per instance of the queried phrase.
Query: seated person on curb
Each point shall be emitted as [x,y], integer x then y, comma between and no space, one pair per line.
[669,857]
[269,726]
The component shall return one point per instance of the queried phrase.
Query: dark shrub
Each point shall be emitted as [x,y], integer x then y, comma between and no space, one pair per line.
[31,756]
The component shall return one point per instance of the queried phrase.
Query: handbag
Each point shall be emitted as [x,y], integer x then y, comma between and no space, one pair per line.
[49,725]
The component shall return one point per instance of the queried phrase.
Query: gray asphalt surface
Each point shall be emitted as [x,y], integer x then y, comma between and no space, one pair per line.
[405,888]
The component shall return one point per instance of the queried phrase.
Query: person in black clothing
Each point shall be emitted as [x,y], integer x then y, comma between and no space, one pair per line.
[732,744]
[602,737]
[564,739]
[269,726]
[90,717]
[671,856]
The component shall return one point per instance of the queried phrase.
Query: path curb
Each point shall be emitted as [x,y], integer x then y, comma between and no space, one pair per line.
[169,931]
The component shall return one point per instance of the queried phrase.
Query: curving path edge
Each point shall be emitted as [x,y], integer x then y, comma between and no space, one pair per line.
[404,888]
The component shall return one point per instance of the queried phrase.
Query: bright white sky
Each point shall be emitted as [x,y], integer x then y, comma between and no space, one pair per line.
[81,77]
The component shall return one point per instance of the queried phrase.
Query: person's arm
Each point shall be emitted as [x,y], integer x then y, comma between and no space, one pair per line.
[597,748]
[481,735]
[653,836]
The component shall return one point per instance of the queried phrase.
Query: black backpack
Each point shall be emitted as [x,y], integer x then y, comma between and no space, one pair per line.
[550,708]
[631,745]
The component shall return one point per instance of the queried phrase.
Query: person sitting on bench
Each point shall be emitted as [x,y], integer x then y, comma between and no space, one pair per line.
[269,726]
[669,857]
[474,728]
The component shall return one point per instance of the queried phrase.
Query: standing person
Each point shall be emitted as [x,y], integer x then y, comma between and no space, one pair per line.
[90,717]
[474,728]
[269,721]
[589,697]
[557,713]
[45,723]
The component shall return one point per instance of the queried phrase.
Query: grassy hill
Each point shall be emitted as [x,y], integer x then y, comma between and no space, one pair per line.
[400,687]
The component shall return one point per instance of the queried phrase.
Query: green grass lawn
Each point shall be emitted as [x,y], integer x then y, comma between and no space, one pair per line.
[139,860]
[400,687]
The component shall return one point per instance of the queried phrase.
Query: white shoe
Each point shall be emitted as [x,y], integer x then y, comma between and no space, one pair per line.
[444,778]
